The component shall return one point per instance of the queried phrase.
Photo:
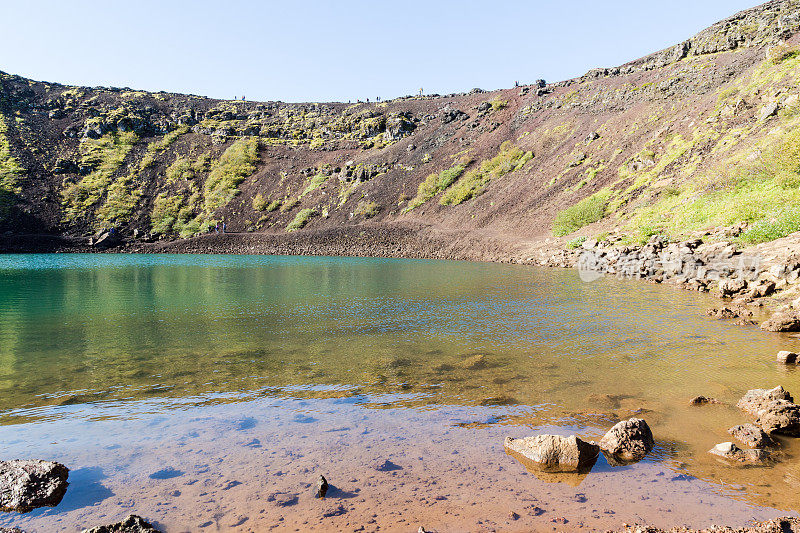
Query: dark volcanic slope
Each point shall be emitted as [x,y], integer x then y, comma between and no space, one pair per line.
[78,160]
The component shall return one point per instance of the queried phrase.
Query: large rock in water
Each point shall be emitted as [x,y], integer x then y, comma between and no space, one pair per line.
[132,524]
[754,400]
[628,441]
[27,485]
[554,453]
[780,416]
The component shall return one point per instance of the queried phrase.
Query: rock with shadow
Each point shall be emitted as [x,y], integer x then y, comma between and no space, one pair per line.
[26,485]
[553,453]
[627,442]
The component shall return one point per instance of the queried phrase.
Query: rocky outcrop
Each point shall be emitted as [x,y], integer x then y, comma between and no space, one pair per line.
[627,442]
[554,453]
[751,435]
[774,410]
[132,524]
[754,400]
[732,453]
[27,485]
[780,416]
[764,24]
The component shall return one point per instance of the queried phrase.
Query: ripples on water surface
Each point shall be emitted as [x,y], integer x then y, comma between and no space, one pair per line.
[247,375]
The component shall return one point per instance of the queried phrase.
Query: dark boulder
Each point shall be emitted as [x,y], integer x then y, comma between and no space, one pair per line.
[627,442]
[28,485]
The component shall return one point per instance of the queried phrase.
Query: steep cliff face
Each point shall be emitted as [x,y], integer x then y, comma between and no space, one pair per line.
[671,143]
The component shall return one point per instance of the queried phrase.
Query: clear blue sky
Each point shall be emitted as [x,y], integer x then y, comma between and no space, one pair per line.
[296,50]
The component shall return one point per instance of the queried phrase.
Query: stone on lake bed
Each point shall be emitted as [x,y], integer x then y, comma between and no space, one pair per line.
[731,452]
[27,485]
[628,441]
[283,499]
[703,400]
[387,466]
[751,435]
[132,524]
[786,357]
[475,362]
[554,453]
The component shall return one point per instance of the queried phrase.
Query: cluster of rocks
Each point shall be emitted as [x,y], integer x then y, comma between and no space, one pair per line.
[717,267]
[775,412]
[625,443]
[777,525]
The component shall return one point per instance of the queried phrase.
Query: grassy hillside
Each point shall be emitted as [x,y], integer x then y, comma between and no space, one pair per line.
[700,135]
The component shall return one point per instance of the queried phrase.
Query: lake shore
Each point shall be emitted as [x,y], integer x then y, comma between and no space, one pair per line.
[422,241]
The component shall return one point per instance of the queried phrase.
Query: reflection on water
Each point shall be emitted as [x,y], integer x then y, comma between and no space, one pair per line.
[102,338]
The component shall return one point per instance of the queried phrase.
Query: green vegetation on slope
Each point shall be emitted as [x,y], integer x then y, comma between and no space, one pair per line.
[10,171]
[181,168]
[301,219]
[104,155]
[260,203]
[585,212]
[473,183]
[235,164]
[314,183]
[436,183]
[764,192]
[367,209]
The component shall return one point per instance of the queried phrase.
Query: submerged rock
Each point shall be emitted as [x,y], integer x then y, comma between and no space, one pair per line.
[387,466]
[754,400]
[751,435]
[283,499]
[731,452]
[628,441]
[132,524]
[554,453]
[27,485]
[702,400]
[475,362]
[322,487]
[787,358]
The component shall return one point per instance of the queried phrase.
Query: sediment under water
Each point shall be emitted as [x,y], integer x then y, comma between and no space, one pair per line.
[208,392]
